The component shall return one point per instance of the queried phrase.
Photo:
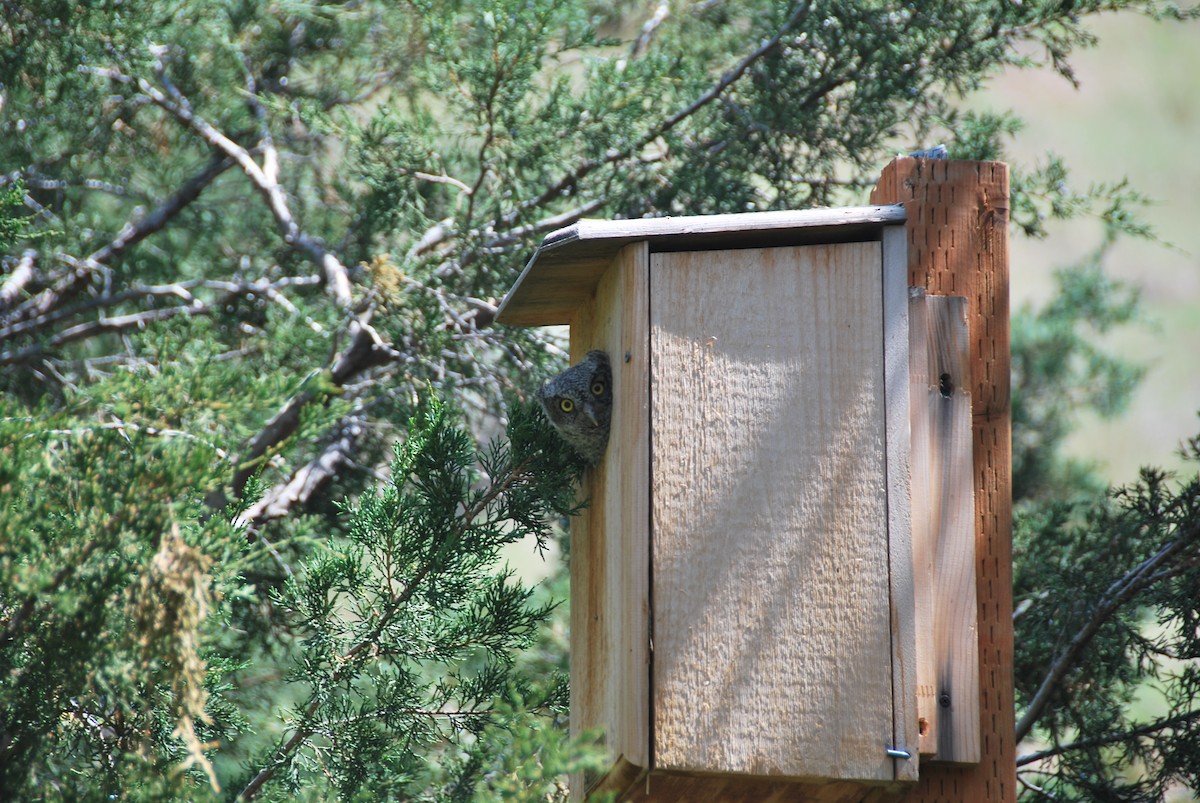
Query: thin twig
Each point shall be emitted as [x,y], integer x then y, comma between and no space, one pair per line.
[123,426]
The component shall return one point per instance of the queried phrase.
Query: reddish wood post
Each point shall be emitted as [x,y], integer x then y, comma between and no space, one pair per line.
[958,245]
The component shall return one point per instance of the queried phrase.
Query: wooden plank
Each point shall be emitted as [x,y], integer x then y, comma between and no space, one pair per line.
[952,514]
[944,530]
[905,734]
[922,529]
[958,245]
[563,272]
[690,230]
[772,631]
[660,787]
[610,584]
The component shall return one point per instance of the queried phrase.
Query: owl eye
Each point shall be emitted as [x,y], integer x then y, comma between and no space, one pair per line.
[598,388]
[566,405]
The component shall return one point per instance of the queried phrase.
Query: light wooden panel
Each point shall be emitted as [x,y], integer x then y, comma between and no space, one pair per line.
[771,588]
[610,616]
[958,245]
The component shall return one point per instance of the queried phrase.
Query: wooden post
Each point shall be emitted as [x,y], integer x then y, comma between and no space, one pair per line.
[958,245]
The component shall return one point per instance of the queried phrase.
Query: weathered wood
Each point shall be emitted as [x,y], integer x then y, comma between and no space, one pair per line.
[944,534]
[772,620]
[958,245]
[661,786]
[898,443]
[566,268]
[923,553]
[610,611]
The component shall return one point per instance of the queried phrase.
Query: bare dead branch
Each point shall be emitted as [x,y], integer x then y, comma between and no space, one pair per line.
[264,178]
[547,224]
[365,350]
[439,179]
[18,280]
[57,314]
[115,324]
[642,43]
[270,289]
[39,182]
[75,279]
[308,481]
[155,432]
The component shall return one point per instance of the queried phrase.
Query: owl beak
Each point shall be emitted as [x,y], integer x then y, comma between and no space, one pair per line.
[590,412]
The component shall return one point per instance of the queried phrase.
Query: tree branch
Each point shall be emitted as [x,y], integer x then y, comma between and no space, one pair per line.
[337,277]
[72,281]
[21,276]
[1110,738]
[366,350]
[281,500]
[642,43]
[117,323]
[29,326]
[1128,586]
[181,290]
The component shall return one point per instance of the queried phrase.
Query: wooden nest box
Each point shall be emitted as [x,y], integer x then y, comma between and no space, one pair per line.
[747,619]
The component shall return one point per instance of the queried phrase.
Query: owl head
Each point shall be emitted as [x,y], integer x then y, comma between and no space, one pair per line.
[578,403]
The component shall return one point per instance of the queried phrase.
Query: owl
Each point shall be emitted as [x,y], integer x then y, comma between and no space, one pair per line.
[578,403]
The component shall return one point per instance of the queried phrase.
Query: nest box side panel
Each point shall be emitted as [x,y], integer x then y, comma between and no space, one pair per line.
[610,538]
[772,625]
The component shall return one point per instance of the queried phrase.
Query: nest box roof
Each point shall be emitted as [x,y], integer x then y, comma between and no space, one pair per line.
[568,264]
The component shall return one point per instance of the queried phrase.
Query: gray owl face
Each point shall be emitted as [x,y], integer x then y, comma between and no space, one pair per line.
[578,403]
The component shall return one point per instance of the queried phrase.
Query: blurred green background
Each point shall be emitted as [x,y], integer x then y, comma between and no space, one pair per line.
[1135,115]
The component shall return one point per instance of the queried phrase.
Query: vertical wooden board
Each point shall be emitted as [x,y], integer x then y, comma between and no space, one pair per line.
[958,245]
[944,530]
[952,513]
[922,526]
[610,540]
[772,639]
[905,734]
